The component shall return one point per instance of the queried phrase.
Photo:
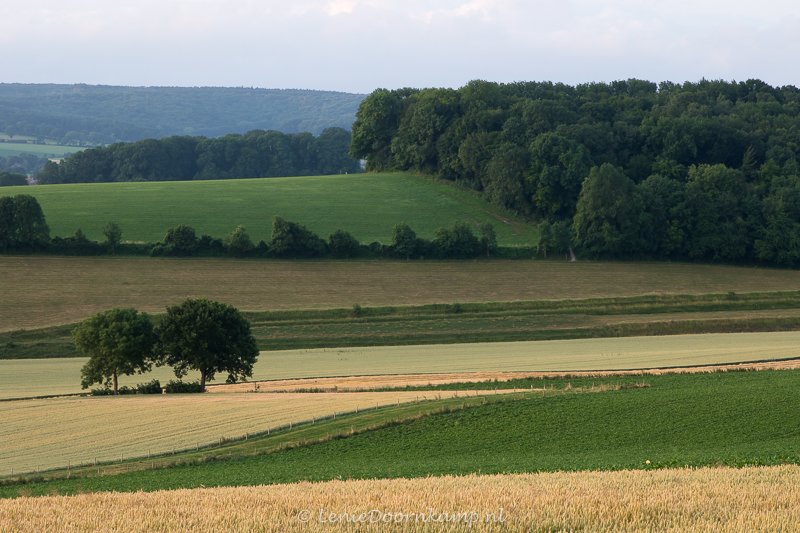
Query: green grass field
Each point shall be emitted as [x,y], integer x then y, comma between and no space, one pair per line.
[40,377]
[366,205]
[738,418]
[39,291]
[40,150]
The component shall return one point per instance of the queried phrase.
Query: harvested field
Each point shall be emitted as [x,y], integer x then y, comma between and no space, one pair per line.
[706,499]
[54,432]
[40,291]
[360,383]
[38,377]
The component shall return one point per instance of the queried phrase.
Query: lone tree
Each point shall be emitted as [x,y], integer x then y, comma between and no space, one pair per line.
[118,342]
[209,337]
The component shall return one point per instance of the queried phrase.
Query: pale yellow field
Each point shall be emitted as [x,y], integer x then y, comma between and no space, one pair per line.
[37,377]
[678,500]
[57,431]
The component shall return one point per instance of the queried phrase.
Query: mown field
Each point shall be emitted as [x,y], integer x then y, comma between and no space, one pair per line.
[40,150]
[54,432]
[366,205]
[706,499]
[39,377]
[40,291]
[734,419]
[480,322]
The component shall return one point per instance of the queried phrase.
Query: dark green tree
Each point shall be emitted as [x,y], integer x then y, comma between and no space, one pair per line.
[209,337]
[113,234]
[181,240]
[607,212]
[457,242]
[404,241]
[117,342]
[343,245]
[238,243]
[488,238]
[290,239]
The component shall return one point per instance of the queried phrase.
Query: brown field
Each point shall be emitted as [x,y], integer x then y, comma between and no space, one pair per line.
[676,500]
[39,291]
[361,383]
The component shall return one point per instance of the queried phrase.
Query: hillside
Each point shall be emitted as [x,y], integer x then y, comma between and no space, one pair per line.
[105,114]
[368,206]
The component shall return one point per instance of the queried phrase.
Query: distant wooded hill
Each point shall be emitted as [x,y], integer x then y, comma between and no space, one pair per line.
[87,114]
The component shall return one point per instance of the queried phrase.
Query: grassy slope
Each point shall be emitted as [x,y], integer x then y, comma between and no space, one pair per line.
[37,377]
[46,291]
[476,322]
[729,418]
[366,205]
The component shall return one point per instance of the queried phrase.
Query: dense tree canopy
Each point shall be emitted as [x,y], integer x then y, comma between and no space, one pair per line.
[22,224]
[256,154]
[118,342]
[209,337]
[94,114]
[706,171]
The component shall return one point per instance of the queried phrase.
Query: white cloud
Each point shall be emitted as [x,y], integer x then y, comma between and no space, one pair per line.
[362,44]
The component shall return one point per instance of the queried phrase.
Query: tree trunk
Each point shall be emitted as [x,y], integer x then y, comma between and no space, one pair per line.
[572,257]
[203,380]
[115,383]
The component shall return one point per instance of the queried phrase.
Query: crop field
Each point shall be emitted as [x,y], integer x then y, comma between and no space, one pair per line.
[366,205]
[674,420]
[40,377]
[54,432]
[40,291]
[706,499]
[39,150]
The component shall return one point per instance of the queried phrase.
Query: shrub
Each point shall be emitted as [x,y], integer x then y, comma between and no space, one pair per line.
[290,239]
[457,242]
[180,240]
[181,387]
[105,391]
[151,387]
[238,243]
[343,245]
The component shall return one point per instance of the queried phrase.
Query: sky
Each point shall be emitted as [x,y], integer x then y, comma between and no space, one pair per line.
[360,45]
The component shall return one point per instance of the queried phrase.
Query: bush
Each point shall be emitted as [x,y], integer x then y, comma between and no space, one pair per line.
[127,390]
[457,242]
[181,387]
[78,244]
[343,245]
[105,391]
[180,240]
[238,243]
[151,387]
[290,239]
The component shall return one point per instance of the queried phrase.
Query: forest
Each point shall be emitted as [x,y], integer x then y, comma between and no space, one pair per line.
[700,171]
[255,154]
[92,115]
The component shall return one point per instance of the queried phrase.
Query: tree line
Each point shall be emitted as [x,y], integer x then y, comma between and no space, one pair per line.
[701,171]
[255,154]
[23,228]
[89,115]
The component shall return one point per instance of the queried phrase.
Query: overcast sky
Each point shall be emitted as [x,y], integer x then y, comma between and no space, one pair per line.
[358,45]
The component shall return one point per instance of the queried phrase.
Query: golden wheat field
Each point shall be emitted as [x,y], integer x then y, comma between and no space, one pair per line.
[60,431]
[676,500]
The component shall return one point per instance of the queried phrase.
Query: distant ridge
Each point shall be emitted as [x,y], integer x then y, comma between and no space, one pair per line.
[102,114]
